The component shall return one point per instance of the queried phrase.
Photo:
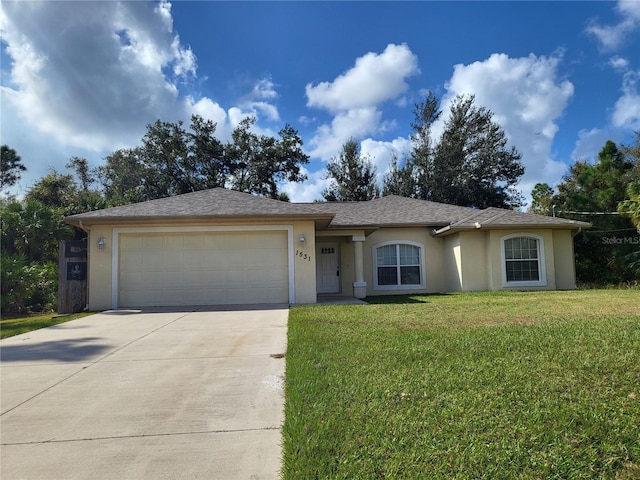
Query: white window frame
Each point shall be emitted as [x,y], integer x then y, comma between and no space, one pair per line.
[416,286]
[542,282]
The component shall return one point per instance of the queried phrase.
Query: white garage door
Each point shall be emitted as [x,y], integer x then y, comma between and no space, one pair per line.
[205,268]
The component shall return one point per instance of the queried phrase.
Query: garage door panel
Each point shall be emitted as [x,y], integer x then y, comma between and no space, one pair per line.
[237,258]
[152,242]
[213,242]
[132,261]
[131,243]
[131,279]
[194,279]
[152,261]
[193,242]
[203,268]
[149,280]
[234,241]
[237,277]
[276,276]
[192,260]
[215,278]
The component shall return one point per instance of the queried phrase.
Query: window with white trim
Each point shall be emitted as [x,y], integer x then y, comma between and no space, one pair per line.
[398,266]
[523,260]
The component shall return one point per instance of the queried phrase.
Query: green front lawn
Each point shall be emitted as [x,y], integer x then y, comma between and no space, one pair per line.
[17,325]
[480,385]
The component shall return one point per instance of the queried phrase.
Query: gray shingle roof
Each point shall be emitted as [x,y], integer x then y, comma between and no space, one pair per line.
[389,211]
[214,203]
[500,218]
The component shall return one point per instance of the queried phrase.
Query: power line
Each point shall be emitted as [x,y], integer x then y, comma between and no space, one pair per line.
[607,231]
[590,213]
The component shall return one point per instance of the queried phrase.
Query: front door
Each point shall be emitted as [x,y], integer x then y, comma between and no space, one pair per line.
[328,268]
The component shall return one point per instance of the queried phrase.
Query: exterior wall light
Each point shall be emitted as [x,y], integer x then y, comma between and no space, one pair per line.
[302,239]
[101,243]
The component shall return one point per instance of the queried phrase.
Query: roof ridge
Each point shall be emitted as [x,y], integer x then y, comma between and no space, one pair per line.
[501,213]
[466,219]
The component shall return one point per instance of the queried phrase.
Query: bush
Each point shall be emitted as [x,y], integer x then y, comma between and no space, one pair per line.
[27,288]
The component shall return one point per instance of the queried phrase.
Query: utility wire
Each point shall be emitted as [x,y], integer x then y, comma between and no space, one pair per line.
[607,231]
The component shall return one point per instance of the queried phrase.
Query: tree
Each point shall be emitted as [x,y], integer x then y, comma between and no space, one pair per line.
[83,172]
[125,177]
[186,161]
[257,163]
[170,161]
[542,199]
[469,165]
[592,193]
[33,229]
[414,177]
[399,180]
[173,160]
[423,160]
[631,206]
[29,236]
[473,166]
[55,190]
[11,167]
[353,176]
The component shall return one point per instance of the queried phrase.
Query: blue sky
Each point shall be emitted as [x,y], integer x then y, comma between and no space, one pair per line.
[84,78]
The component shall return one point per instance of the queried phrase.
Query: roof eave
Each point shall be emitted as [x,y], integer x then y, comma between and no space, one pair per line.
[321,220]
[346,226]
[451,229]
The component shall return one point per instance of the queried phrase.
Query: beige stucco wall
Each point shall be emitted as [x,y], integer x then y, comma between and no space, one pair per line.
[463,261]
[564,259]
[453,263]
[100,262]
[473,260]
[494,258]
[99,276]
[473,249]
[305,270]
[433,252]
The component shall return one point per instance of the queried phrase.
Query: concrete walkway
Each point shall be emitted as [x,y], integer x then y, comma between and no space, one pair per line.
[167,394]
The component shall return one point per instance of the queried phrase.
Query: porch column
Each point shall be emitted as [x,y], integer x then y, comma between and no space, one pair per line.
[359,286]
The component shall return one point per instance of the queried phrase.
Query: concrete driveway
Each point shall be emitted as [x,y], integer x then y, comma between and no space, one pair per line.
[166,394]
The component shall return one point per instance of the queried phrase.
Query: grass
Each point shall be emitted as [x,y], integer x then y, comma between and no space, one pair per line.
[481,385]
[17,325]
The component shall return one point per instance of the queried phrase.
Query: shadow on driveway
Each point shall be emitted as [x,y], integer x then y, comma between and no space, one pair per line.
[74,350]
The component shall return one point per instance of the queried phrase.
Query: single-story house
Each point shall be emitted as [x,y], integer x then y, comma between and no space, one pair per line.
[220,246]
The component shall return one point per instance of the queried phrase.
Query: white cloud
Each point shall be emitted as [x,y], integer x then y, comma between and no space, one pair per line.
[207,108]
[356,123]
[257,101]
[626,112]
[611,37]
[624,119]
[590,142]
[354,97]
[618,63]
[86,78]
[526,97]
[382,153]
[93,74]
[309,191]
[373,80]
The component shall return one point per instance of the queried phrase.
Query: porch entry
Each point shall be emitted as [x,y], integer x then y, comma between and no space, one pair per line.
[327,268]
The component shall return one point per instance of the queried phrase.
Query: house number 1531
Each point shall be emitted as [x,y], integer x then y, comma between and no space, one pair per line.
[302,255]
